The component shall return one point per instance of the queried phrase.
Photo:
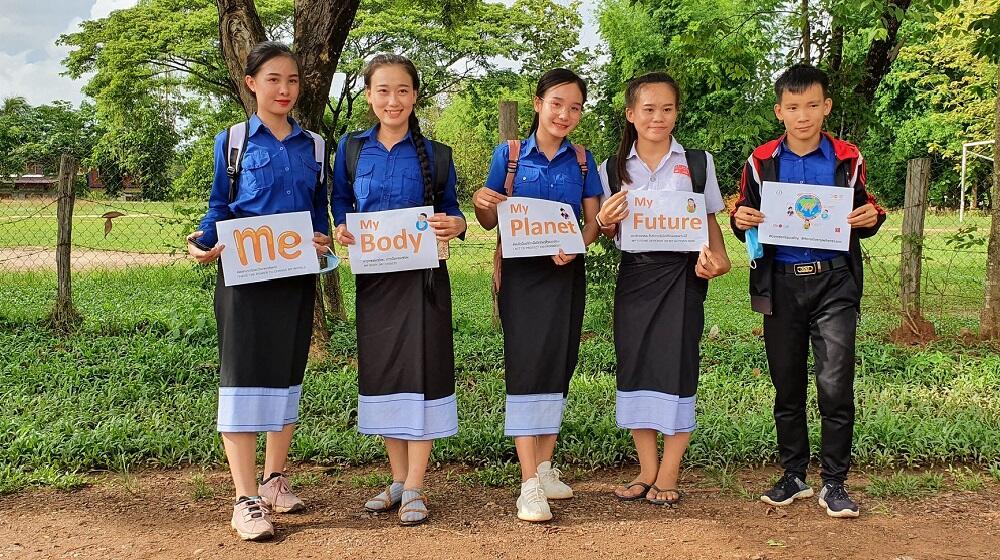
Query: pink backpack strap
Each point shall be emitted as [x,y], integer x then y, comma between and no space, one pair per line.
[514,153]
[581,158]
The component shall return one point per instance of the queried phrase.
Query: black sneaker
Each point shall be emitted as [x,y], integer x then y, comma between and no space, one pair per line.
[833,496]
[788,488]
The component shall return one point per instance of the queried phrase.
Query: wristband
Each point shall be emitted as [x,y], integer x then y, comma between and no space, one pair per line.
[597,218]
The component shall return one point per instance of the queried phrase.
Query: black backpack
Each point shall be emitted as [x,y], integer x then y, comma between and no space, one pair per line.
[442,163]
[697,164]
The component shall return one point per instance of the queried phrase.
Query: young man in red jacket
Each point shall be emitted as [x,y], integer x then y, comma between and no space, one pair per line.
[809,295]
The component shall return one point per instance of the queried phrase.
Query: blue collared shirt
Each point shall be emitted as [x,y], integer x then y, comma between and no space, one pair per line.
[815,168]
[276,177]
[559,180]
[386,179]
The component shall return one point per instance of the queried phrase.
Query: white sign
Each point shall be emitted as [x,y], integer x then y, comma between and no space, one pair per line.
[392,240]
[267,247]
[664,221]
[534,227]
[800,215]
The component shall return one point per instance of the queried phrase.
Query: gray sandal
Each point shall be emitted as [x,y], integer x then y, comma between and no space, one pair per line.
[383,502]
[405,508]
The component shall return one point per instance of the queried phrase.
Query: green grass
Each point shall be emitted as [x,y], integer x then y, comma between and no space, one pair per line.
[200,488]
[967,479]
[904,485]
[136,384]
[146,227]
[372,480]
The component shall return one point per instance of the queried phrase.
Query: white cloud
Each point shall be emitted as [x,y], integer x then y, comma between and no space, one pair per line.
[30,61]
[103,8]
[35,74]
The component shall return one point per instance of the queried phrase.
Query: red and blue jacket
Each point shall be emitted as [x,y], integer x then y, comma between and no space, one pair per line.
[762,165]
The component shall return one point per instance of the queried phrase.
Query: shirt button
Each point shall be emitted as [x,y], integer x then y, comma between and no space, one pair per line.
[652,179]
[286,169]
[288,192]
[281,148]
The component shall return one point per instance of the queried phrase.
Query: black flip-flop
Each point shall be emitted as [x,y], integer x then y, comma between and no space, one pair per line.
[645,490]
[668,502]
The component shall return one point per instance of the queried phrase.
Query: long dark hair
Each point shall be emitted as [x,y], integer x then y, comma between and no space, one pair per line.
[264,51]
[629,133]
[551,79]
[414,123]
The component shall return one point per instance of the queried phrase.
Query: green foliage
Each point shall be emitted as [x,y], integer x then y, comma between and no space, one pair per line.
[136,386]
[720,52]
[40,135]
[542,35]
[904,485]
[938,95]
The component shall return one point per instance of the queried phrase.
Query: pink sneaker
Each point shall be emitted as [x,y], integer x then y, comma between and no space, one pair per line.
[252,520]
[278,496]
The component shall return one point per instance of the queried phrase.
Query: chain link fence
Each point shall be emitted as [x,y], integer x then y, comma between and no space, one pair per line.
[112,233]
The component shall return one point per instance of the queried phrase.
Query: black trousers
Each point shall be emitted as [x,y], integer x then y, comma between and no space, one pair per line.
[822,310]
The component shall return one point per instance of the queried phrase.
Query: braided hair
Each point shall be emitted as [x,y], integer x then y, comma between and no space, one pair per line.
[430,197]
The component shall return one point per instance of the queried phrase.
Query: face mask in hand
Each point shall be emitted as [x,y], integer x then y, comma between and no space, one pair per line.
[754,249]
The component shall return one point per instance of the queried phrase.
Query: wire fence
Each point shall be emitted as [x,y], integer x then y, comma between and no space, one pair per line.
[121,232]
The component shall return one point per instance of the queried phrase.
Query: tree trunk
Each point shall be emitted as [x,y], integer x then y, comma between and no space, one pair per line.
[239,30]
[321,29]
[806,34]
[836,50]
[990,318]
[882,52]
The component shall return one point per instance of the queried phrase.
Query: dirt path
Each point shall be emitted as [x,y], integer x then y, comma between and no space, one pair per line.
[31,259]
[156,515]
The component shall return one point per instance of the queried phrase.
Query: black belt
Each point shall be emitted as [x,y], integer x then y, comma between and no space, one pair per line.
[811,268]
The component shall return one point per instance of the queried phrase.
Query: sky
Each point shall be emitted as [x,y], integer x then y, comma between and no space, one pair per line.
[31,62]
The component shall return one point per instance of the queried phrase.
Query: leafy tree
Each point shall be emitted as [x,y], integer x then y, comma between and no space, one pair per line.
[40,135]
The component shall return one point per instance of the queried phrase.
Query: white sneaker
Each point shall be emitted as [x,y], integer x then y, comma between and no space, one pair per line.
[554,488]
[531,504]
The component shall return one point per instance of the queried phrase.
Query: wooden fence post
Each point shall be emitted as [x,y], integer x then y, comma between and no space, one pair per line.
[914,327]
[508,131]
[508,120]
[64,315]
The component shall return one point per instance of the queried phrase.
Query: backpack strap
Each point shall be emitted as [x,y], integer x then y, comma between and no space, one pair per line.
[352,154]
[319,153]
[581,159]
[236,146]
[698,166]
[442,168]
[513,155]
[611,167]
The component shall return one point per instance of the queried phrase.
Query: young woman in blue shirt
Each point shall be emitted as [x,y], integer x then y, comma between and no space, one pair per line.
[264,328]
[406,378]
[541,299]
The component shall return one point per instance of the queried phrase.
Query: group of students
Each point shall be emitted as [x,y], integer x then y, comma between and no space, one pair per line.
[404,327]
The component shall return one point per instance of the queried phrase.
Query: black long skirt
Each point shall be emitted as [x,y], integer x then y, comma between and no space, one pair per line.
[659,317]
[541,310]
[264,333]
[406,362]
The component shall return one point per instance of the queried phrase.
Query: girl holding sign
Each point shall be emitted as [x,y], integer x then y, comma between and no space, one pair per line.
[406,378]
[264,327]
[541,299]
[659,297]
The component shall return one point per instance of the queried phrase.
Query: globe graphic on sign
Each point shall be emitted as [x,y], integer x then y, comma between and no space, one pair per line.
[808,206]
